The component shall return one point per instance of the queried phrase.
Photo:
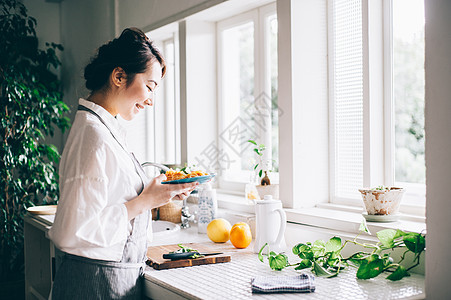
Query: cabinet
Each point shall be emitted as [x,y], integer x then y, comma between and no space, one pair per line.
[39,257]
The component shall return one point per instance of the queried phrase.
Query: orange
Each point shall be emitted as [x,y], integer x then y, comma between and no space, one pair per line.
[241,223]
[240,235]
[218,230]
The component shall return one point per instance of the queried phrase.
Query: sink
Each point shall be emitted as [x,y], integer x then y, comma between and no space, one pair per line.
[164,228]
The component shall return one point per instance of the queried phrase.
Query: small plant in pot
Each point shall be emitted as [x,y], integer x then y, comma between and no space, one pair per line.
[382,201]
[262,169]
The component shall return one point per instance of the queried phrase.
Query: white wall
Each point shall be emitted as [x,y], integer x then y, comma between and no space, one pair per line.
[438,148]
[85,25]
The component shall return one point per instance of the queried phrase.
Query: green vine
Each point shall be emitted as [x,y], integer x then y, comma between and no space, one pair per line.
[325,258]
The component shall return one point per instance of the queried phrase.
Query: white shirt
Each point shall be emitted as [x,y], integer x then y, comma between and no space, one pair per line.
[97,177]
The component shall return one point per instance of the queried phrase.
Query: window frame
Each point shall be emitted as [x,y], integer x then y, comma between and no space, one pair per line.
[258,16]
[378,114]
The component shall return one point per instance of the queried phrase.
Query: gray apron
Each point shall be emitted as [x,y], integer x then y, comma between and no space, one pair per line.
[84,278]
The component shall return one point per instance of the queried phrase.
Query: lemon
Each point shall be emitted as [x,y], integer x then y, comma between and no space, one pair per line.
[218,230]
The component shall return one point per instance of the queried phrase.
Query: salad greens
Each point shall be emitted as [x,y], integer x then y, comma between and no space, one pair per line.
[325,258]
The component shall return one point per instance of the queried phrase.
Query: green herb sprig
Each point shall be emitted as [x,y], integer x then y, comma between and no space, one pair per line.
[259,150]
[325,258]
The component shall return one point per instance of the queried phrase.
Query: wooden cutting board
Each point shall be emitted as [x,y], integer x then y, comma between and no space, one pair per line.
[156,260]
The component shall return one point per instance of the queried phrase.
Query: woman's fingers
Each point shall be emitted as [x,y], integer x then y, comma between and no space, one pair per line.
[181,191]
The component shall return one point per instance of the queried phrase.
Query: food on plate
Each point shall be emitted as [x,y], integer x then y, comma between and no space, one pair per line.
[176,175]
[218,230]
[240,235]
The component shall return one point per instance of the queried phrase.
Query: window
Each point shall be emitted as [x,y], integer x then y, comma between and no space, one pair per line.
[160,140]
[360,157]
[347,102]
[247,83]
[408,95]
[168,142]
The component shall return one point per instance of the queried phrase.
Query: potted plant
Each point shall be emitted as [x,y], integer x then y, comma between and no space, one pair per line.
[382,202]
[31,104]
[262,168]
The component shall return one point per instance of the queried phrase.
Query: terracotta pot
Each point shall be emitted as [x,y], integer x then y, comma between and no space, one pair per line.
[382,202]
[272,189]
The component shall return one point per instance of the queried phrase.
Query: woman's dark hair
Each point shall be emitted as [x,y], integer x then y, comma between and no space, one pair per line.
[132,51]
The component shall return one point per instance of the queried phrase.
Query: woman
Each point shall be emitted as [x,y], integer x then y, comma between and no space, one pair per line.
[105,200]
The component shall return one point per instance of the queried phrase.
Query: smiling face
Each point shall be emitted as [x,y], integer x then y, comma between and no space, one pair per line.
[135,96]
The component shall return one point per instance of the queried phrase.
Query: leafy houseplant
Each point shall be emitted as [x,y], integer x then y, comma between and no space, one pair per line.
[259,149]
[31,104]
[325,258]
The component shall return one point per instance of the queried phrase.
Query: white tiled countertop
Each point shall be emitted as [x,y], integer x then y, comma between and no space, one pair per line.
[232,280]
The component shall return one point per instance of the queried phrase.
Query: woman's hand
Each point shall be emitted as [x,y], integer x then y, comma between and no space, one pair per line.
[156,194]
[160,194]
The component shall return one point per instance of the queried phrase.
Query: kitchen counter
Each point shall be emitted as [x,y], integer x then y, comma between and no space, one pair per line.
[232,280]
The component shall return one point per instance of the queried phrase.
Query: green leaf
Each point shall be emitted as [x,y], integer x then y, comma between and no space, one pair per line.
[260,253]
[387,237]
[363,227]
[370,269]
[260,173]
[303,251]
[320,271]
[398,274]
[415,242]
[252,142]
[319,248]
[334,244]
[305,263]
[278,262]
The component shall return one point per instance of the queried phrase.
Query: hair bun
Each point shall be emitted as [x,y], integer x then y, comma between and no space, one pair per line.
[132,51]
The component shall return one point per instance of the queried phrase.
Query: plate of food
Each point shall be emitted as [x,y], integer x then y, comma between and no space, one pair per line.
[177,177]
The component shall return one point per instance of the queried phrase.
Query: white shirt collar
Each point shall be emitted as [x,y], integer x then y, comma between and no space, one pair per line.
[107,117]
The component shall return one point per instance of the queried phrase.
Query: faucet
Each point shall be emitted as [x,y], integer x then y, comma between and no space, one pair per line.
[152,164]
[186,216]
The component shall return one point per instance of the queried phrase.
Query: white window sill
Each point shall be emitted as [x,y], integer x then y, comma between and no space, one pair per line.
[328,216]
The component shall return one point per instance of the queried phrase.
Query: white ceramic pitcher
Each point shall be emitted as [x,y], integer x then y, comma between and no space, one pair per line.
[271,222]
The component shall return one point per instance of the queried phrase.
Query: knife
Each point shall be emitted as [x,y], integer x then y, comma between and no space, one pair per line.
[186,255]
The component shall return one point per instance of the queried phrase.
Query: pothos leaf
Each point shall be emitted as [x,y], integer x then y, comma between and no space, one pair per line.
[320,271]
[363,227]
[370,269]
[277,262]
[398,274]
[415,242]
[334,244]
[303,251]
[387,237]
[305,263]
[319,248]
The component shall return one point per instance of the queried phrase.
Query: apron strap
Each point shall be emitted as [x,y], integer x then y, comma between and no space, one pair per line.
[138,168]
